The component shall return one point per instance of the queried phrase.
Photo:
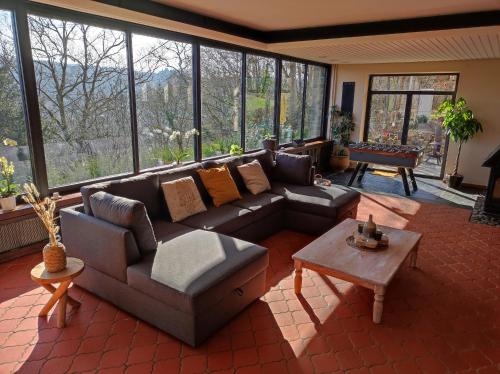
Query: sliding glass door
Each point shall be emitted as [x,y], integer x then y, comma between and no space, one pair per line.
[400,111]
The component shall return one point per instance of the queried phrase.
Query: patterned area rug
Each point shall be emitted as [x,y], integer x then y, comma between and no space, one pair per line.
[479,216]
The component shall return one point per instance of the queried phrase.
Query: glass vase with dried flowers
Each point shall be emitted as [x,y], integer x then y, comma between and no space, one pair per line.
[54,253]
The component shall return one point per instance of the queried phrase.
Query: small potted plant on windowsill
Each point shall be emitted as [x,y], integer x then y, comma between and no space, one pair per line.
[342,126]
[270,142]
[8,189]
[461,125]
[235,150]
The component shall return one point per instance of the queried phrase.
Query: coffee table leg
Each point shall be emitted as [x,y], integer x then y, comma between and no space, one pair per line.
[378,304]
[298,276]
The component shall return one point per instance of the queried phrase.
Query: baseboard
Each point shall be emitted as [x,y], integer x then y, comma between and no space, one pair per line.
[23,251]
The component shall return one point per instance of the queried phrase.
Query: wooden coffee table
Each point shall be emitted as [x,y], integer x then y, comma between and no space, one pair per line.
[331,255]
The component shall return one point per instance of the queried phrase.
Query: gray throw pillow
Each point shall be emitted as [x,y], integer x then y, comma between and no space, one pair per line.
[294,169]
[127,213]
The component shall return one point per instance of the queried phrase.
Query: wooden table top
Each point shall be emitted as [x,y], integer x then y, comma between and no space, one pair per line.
[74,266]
[331,251]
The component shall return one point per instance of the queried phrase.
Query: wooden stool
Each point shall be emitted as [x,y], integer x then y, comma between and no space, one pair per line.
[45,279]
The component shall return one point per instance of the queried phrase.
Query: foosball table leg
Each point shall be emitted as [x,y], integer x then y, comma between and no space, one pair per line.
[413,180]
[363,170]
[354,173]
[402,171]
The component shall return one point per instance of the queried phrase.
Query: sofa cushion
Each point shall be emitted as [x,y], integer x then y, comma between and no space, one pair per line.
[196,270]
[220,185]
[127,213]
[265,157]
[254,177]
[232,163]
[88,191]
[331,201]
[294,169]
[165,230]
[183,198]
[144,188]
[262,204]
[224,219]
[182,172]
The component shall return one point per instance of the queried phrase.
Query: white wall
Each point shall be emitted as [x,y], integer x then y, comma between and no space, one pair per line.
[479,84]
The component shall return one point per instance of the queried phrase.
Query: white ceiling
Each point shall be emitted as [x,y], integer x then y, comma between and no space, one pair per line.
[462,44]
[269,15]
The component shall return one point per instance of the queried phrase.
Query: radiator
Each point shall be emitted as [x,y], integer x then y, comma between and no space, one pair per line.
[21,233]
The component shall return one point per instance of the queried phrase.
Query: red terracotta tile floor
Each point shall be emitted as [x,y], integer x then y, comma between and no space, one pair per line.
[442,317]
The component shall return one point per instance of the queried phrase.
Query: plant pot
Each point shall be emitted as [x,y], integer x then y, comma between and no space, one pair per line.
[454,181]
[339,163]
[270,144]
[54,258]
[8,203]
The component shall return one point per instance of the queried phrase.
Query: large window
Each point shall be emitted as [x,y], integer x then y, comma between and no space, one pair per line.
[82,82]
[315,96]
[220,100]
[164,100]
[12,125]
[92,98]
[292,91]
[259,108]
[401,109]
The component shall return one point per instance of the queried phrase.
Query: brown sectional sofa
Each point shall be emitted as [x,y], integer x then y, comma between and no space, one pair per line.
[206,269]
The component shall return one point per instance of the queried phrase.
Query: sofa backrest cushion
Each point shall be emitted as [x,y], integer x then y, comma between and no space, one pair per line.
[232,165]
[294,169]
[265,158]
[220,185]
[183,198]
[182,172]
[255,179]
[144,188]
[127,213]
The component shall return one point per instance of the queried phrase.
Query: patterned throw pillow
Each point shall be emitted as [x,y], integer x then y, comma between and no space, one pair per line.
[219,184]
[254,177]
[183,198]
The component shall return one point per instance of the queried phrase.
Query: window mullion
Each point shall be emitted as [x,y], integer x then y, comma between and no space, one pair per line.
[197,100]
[304,99]
[30,95]
[243,98]
[277,99]
[132,101]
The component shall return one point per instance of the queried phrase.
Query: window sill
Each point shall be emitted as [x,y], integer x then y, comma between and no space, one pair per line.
[305,147]
[24,211]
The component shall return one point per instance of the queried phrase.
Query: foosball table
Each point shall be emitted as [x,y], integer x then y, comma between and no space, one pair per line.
[404,157]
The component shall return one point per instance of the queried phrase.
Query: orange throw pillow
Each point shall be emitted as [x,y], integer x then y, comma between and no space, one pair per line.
[219,184]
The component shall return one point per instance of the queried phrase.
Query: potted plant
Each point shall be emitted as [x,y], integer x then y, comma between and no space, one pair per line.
[270,142]
[235,150]
[339,160]
[8,189]
[342,126]
[178,152]
[461,125]
[54,253]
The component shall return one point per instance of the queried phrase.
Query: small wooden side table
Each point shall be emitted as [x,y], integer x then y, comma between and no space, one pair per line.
[45,279]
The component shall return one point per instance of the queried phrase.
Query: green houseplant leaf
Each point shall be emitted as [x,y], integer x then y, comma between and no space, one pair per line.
[459,123]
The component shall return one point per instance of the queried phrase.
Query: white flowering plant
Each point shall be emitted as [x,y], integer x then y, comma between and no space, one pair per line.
[7,170]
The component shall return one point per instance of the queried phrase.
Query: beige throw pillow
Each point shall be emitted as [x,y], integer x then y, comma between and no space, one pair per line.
[183,198]
[254,177]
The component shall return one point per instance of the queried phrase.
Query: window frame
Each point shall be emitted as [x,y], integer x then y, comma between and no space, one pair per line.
[409,95]
[20,10]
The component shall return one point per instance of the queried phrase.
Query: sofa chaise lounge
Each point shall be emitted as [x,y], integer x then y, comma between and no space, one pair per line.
[206,268]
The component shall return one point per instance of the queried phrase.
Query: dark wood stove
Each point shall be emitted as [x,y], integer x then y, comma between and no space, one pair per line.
[492,201]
